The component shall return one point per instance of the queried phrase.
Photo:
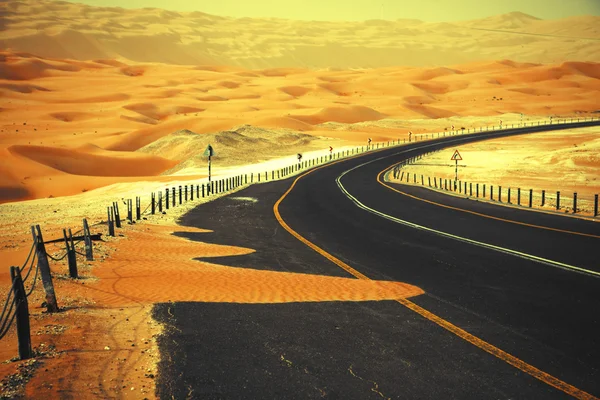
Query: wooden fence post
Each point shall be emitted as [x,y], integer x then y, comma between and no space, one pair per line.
[22,314]
[116,215]
[558,200]
[180,196]
[153,201]
[138,206]
[530,197]
[500,194]
[174,194]
[186,192]
[575,203]
[71,257]
[543,196]
[110,222]
[509,195]
[166,198]
[130,210]
[518,196]
[477,190]
[44,267]
[595,205]
[87,239]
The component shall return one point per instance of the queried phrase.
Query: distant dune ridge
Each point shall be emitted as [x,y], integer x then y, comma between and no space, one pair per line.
[93,96]
[76,31]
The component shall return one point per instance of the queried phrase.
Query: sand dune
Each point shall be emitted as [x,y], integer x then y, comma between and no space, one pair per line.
[46,113]
[96,163]
[511,20]
[74,31]
[295,91]
[344,114]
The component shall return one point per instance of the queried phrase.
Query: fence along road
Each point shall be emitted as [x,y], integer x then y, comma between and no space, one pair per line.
[512,326]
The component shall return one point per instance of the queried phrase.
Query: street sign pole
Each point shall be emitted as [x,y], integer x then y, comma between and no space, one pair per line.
[456,157]
[209,152]
[456,171]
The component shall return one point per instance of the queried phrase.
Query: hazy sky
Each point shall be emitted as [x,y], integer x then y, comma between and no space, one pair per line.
[332,10]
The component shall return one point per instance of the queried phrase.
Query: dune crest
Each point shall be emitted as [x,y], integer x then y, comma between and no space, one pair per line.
[213,43]
[95,163]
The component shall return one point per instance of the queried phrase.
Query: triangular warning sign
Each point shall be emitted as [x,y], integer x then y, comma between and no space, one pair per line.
[456,156]
[209,152]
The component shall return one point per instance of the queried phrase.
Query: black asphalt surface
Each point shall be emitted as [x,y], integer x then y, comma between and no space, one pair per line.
[545,316]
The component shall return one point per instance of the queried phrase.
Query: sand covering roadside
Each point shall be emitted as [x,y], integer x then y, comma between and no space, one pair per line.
[103,344]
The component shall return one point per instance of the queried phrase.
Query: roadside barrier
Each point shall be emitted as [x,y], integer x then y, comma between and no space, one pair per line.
[37,267]
[516,196]
[16,306]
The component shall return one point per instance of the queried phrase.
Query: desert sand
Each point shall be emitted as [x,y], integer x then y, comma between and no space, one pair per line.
[57,139]
[69,30]
[101,104]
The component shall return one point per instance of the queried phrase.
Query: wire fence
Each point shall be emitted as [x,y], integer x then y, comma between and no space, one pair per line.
[8,314]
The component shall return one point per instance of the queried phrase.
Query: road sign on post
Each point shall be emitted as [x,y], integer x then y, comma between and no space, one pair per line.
[209,152]
[299,157]
[456,157]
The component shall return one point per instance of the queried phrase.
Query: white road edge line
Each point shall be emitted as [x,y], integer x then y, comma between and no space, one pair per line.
[552,263]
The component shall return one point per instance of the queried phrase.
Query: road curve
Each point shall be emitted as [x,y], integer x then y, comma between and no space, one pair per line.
[511,294]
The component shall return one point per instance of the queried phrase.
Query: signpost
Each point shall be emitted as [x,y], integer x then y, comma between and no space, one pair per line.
[409,136]
[330,151]
[456,157]
[299,157]
[209,152]
[368,143]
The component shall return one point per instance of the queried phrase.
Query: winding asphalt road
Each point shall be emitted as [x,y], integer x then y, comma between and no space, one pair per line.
[510,310]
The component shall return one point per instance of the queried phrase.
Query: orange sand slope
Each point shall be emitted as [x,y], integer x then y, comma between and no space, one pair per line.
[155,266]
[70,30]
[69,126]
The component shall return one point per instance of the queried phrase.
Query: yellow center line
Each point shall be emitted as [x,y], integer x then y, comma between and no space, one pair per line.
[489,348]
[480,214]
